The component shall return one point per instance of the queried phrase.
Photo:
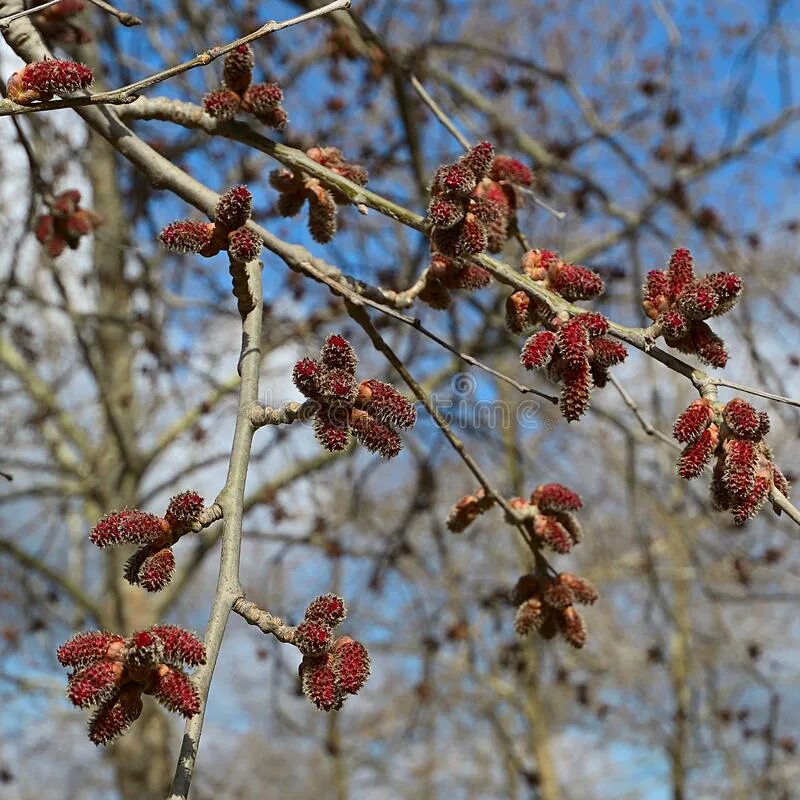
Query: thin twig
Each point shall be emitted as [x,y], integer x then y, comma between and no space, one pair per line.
[634,407]
[285,415]
[263,620]
[438,112]
[128,20]
[6,21]
[230,503]
[757,392]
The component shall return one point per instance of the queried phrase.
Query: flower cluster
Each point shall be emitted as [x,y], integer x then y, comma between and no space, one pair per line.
[56,23]
[679,302]
[296,188]
[574,350]
[112,673]
[474,202]
[330,669]
[66,223]
[262,100]
[369,410]
[744,472]
[546,604]
[43,79]
[152,565]
[227,232]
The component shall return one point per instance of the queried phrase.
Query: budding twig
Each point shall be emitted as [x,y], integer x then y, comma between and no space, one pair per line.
[126,19]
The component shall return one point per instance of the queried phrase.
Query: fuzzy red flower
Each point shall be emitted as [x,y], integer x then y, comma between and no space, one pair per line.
[692,422]
[327,609]
[222,104]
[128,525]
[555,497]
[351,664]
[234,208]
[42,79]
[698,453]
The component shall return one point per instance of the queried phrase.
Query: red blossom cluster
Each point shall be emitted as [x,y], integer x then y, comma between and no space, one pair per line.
[152,565]
[262,100]
[296,188]
[679,302]
[474,202]
[43,79]
[56,23]
[66,223]
[112,672]
[574,350]
[330,669]
[744,472]
[369,410]
[227,232]
[546,604]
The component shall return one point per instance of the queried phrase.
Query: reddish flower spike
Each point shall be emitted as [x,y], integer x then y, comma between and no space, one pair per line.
[506,168]
[572,627]
[94,684]
[318,681]
[238,68]
[456,179]
[444,213]
[180,646]
[680,272]
[244,245]
[576,388]
[386,404]
[574,282]
[115,717]
[573,342]
[555,497]
[322,215]
[538,350]
[312,638]
[743,419]
[529,617]
[375,436]
[692,422]
[187,236]
[306,377]
[741,461]
[183,509]
[42,79]
[553,534]
[332,434]
[351,665]
[608,352]
[581,589]
[234,207]
[698,453]
[150,569]
[222,104]
[479,159]
[85,648]
[327,609]
[128,525]
[176,692]
[338,353]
